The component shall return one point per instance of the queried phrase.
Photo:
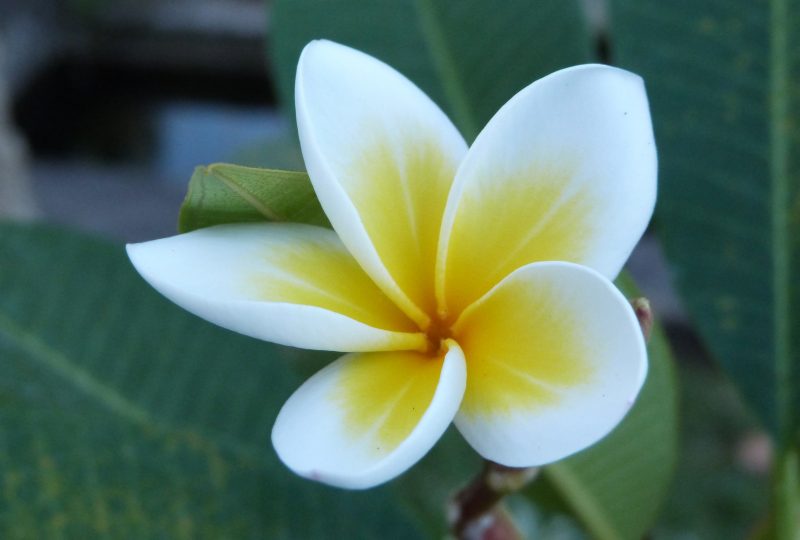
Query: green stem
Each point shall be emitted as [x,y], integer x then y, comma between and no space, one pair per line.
[786,495]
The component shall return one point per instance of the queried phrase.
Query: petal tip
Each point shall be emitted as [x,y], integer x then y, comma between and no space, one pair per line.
[605,68]
[308,49]
[322,46]
[136,254]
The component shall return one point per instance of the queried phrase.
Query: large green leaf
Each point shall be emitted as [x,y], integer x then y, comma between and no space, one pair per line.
[121,422]
[723,80]
[470,56]
[124,417]
[616,487]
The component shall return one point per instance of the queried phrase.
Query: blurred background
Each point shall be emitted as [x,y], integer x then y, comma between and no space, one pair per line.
[106,107]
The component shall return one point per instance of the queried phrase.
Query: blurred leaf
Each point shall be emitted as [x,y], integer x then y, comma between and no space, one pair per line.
[430,484]
[723,80]
[616,487]
[535,520]
[125,417]
[223,193]
[469,56]
[121,423]
[720,488]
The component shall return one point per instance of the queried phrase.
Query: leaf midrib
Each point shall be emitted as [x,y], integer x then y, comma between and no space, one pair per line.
[442,57]
[234,186]
[109,398]
[779,163]
[582,500]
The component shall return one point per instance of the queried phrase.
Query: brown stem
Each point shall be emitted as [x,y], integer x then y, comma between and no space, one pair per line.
[473,514]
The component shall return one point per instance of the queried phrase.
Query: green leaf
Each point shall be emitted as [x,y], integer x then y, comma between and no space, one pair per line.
[125,417]
[469,56]
[223,193]
[130,424]
[428,486]
[723,79]
[616,487]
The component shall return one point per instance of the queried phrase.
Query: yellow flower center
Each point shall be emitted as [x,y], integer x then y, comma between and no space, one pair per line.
[437,332]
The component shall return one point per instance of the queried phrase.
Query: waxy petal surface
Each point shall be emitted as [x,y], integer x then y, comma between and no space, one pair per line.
[566,170]
[382,158]
[287,283]
[367,417]
[555,358]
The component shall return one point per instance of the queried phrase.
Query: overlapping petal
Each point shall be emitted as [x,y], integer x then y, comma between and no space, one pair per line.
[566,170]
[288,283]
[556,358]
[366,418]
[382,158]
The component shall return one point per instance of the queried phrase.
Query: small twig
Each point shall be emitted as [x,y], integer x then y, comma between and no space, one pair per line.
[472,513]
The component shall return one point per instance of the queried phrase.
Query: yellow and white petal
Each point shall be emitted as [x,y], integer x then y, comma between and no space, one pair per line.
[367,417]
[382,157]
[288,283]
[555,360]
[565,171]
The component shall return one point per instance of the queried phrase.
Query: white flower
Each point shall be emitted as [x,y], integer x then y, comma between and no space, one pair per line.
[468,285]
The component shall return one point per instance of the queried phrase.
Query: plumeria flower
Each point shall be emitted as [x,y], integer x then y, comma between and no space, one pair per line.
[466,285]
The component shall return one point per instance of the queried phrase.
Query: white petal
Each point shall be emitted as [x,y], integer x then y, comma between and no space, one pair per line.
[288,283]
[555,357]
[366,418]
[382,157]
[566,170]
